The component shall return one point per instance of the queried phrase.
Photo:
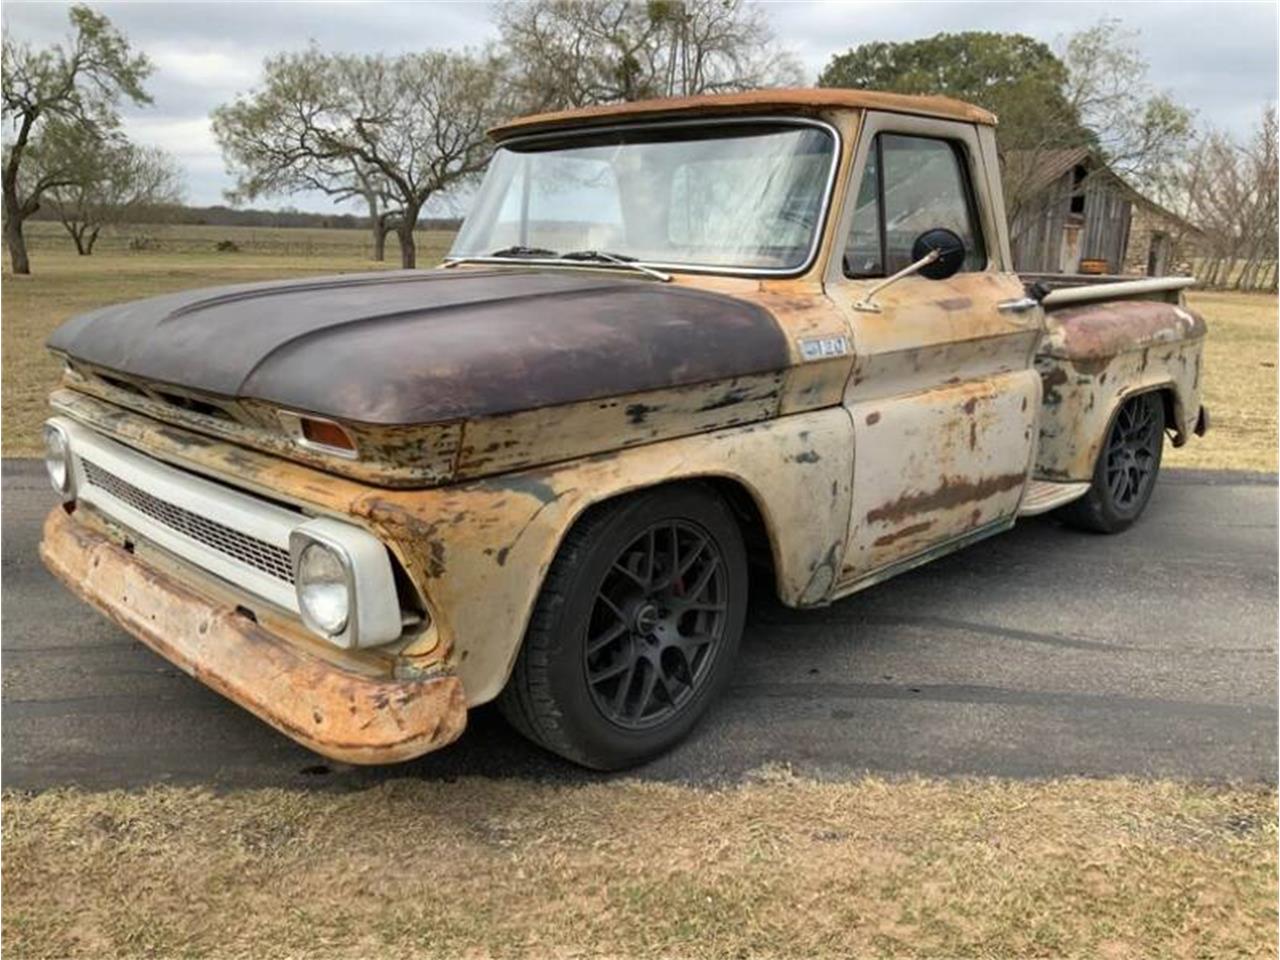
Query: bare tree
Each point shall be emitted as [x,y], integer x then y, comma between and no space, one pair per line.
[1140,131]
[411,126]
[106,180]
[1228,188]
[568,53]
[79,82]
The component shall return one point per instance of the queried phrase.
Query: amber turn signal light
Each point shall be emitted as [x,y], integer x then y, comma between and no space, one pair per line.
[326,433]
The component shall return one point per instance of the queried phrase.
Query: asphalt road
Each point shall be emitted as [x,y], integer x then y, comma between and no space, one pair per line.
[1043,652]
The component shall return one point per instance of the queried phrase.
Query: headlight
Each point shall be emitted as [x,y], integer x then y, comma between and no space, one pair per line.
[57,459]
[345,587]
[324,591]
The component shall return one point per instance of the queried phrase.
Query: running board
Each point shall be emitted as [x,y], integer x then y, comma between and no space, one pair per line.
[1043,496]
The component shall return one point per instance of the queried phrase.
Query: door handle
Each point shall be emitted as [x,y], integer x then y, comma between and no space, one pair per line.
[1018,306]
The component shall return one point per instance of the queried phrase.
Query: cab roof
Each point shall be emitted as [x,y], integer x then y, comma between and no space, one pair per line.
[783,100]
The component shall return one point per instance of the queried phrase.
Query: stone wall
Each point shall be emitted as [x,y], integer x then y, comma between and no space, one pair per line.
[1173,253]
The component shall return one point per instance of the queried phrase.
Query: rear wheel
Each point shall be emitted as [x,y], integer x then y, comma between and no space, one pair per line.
[1126,470]
[635,631]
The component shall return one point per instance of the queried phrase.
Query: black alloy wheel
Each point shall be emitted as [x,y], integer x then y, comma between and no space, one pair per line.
[1126,470]
[1133,453]
[635,630]
[657,624]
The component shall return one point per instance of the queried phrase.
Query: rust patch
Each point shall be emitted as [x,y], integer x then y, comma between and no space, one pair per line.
[905,532]
[953,492]
[1051,379]
[1099,331]
[637,413]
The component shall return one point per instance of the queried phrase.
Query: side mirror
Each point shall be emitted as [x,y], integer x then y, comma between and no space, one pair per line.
[936,255]
[950,250]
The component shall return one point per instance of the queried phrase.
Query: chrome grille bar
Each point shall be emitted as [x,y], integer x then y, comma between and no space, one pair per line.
[238,537]
[272,560]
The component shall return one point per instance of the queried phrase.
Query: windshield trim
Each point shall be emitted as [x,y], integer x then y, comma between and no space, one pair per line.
[678,266]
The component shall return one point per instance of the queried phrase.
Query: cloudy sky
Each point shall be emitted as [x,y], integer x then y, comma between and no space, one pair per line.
[1217,57]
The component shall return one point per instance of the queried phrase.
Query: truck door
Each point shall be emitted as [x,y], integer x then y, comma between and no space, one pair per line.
[943,392]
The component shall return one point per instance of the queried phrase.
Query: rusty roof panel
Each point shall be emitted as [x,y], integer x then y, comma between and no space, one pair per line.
[755,101]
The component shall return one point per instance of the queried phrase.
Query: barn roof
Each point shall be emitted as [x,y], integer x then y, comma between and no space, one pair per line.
[755,101]
[1037,170]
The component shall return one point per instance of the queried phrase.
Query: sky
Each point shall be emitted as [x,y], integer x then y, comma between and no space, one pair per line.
[1219,58]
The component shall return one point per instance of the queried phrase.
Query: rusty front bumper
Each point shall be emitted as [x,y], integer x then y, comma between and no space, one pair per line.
[340,713]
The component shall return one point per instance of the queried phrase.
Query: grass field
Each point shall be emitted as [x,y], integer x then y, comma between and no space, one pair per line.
[1240,378]
[778,867]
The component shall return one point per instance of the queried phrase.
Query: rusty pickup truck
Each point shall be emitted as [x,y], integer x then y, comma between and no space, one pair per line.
[674,341]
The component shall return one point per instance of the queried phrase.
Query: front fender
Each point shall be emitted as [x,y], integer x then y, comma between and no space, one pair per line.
[479,552]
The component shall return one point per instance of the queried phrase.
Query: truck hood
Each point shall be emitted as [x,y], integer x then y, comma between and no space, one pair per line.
[412,347]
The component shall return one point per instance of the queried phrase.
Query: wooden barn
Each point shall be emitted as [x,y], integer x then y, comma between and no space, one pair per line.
[1070,213]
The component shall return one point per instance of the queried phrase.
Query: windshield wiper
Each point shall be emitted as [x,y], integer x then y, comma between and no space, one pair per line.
[522,251]
[542,254]
[506,253]
[618,259]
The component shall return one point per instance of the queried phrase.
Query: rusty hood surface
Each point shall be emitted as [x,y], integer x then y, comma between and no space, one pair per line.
[413,347]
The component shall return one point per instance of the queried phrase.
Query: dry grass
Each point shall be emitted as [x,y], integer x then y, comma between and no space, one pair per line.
[1240,374]
[1239,385]
[775,867]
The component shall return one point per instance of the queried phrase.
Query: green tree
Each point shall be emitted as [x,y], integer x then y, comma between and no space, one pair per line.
[106,180]
[79,83]
[412,126]
[1016,77]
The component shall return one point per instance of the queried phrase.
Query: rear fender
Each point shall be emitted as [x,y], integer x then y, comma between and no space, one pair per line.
[1094,358]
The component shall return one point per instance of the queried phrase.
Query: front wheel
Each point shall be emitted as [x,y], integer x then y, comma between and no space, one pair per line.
[1126,470]
[635,630]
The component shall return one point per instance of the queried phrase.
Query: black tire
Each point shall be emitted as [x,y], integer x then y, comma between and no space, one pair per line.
[1126,471]
[604,607]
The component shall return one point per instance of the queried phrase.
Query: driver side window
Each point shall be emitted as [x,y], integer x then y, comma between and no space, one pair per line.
[910,185]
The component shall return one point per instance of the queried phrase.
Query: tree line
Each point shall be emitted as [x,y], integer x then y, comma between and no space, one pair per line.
[398,133]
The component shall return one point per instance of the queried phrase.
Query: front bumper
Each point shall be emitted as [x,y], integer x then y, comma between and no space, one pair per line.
[343,714]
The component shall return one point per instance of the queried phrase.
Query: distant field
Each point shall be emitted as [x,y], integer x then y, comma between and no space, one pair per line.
[1240,377]
[149,238]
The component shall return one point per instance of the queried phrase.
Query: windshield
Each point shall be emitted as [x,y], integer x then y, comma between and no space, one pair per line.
[747,196]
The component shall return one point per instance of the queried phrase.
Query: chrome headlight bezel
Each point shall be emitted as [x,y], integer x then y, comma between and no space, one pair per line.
[58,461]
[373,609]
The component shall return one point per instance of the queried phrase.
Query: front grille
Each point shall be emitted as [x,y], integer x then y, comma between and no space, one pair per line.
[272,560]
